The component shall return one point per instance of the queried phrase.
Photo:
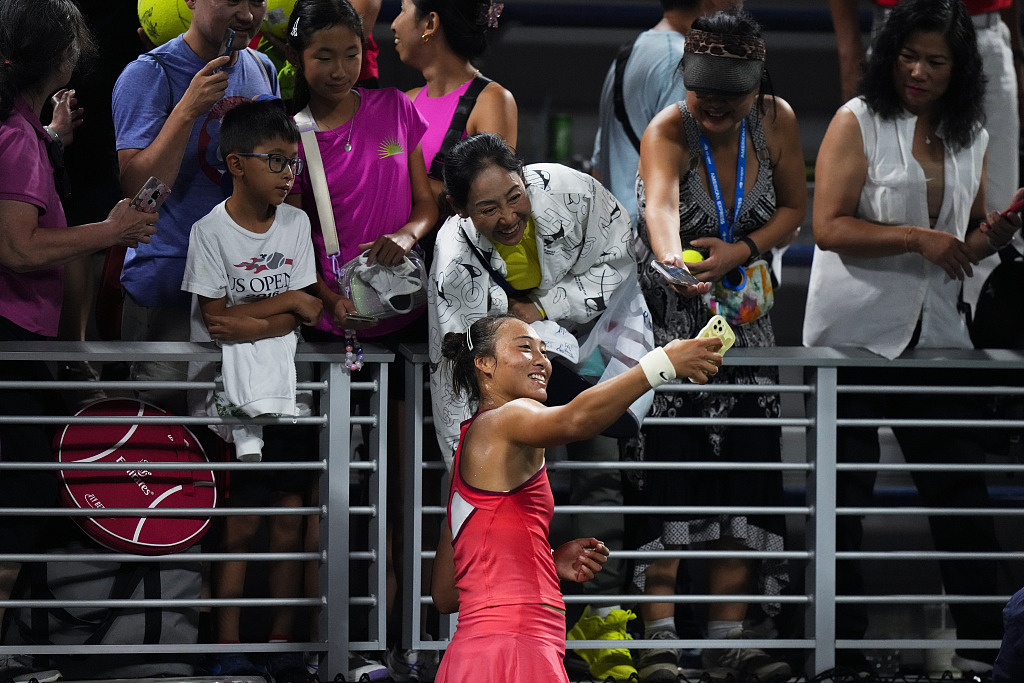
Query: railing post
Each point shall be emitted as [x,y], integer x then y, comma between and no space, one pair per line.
[335,543]
[379,437]
[821,497]
[412,507]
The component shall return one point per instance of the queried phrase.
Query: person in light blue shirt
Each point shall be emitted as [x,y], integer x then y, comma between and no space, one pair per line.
[651,81]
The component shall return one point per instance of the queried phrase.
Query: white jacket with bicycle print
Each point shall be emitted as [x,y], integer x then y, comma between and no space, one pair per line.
[586,249]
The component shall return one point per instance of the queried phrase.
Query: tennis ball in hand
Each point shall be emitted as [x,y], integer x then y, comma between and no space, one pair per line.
[164,19]
[692,256]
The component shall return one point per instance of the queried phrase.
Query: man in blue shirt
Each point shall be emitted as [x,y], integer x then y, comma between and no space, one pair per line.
[167,108]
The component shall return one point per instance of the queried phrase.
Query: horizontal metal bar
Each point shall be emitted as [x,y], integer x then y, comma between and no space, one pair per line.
[172,558]
[680,599]
[363,601]
[157,648]
[167,420]
[921,599]
[762,643]
[730,421]
[689,388]
[370,465]
[158,512]
[995,512]
[959,424]
[934,555]
[713,554]
[159,466]
[658,510]
[681,510]
[133,385]
[684,599]
[986,390]
[682,465]
[916,644]
[929,467]
[150,604]
[696,554]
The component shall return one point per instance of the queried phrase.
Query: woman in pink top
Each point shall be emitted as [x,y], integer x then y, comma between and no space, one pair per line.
[499,571]
[440,38]
[41,42]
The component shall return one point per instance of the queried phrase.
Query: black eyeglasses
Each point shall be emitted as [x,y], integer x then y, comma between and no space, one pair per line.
[277,162]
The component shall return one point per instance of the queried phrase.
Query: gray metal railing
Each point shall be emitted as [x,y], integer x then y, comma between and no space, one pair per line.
[340,562]
[818,424]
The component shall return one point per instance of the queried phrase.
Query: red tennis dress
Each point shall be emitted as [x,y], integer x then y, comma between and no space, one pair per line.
[507,584]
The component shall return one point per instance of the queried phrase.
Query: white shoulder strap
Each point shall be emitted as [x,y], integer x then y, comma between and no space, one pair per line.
[318,179]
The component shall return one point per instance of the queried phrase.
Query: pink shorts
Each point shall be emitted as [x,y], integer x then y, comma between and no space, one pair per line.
[512,643]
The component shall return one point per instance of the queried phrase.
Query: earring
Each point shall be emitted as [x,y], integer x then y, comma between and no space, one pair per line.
[425,37]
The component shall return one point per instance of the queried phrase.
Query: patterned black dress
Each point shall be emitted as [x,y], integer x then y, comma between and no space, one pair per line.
[675,317]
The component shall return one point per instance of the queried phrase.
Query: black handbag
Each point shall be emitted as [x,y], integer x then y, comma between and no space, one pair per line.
[998,318]
[998,323]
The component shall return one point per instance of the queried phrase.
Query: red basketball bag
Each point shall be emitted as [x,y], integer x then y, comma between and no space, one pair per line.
[138,487]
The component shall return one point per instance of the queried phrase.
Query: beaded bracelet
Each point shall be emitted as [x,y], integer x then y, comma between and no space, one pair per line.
[353,352]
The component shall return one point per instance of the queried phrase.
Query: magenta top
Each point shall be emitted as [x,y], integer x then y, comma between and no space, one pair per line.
[438,113]
[32,300]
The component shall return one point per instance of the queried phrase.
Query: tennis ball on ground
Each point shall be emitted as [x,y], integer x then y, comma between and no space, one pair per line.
[275,21]
[164,19]
[692,256]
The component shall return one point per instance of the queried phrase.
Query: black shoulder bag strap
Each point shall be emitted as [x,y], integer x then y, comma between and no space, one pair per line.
[458,125]
[505,285]
[126,578]
[620,101]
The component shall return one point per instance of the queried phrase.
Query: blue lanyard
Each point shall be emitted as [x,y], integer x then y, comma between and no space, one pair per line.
[724,227]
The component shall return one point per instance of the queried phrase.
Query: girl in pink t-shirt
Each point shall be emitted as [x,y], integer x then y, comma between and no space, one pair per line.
[369,142]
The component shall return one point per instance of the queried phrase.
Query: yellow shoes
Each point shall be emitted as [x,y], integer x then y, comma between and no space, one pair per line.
[616,662]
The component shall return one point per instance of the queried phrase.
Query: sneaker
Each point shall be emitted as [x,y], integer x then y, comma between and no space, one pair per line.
[659,665]
[22,669]
[228,664]
[312,662]
[362,669]
[289,667]
[748,662]
[614,663]
[406,666]
[970,666]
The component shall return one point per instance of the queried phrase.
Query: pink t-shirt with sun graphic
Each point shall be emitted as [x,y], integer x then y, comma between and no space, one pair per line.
[371,191]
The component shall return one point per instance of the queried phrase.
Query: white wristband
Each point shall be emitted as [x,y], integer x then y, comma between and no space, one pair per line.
[657,367]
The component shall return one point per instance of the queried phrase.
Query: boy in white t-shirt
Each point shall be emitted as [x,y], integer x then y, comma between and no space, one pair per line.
[249,261]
